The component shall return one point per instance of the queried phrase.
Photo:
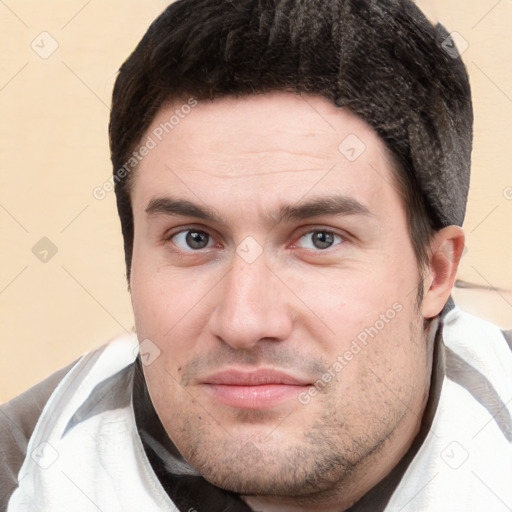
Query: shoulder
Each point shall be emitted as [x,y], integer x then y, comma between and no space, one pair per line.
[477,340]
[63,392]
[18,418]
[478,360]
[22,411]
[98,384]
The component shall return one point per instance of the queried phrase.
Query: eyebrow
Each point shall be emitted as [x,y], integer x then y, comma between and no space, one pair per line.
[170,206]
[333,205]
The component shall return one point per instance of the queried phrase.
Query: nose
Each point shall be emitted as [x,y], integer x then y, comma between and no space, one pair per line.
[251,304]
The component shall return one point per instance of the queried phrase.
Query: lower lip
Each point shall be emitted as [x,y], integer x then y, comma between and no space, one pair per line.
[254,397]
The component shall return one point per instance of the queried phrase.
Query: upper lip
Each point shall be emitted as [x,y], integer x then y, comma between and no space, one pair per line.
[259,377]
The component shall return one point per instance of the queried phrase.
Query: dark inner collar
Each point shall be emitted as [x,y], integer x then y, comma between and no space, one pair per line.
[376,499]
[186,489]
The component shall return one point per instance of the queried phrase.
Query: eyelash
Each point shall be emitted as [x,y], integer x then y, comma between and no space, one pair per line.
[307,231]
[310,231]
[170,235]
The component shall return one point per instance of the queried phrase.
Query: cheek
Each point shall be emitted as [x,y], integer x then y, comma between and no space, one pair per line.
[171,401]
[356,302]
[151,303]
[170,309]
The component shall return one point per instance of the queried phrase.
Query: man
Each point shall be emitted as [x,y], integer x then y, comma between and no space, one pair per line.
[291,178]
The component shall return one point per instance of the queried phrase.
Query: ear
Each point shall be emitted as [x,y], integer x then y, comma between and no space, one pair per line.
[445,252]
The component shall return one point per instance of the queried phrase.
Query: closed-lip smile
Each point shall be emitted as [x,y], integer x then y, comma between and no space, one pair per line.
[261,388]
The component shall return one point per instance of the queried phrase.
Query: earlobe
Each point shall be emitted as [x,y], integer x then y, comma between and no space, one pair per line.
[445,254]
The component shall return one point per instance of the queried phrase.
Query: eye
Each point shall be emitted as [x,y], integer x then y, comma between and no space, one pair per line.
[319,239]
[192,239]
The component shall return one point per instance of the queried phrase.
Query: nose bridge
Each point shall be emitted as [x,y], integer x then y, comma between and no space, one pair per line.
[246,298]
[250,306]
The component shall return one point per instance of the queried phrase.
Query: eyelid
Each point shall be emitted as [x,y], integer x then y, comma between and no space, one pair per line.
[299,233]
[170,233]
[311,229]
[308,241]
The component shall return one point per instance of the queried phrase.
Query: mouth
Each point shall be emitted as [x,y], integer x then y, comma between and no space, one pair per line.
[258,389]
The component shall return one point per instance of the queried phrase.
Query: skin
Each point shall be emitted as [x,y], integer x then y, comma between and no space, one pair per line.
[295,307]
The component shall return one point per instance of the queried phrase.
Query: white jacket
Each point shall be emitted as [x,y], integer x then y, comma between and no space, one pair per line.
[85,453]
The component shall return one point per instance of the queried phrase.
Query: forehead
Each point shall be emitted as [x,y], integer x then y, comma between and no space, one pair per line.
[262,151]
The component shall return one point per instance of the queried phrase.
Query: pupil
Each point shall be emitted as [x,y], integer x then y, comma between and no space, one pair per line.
[197,239]
[322,239]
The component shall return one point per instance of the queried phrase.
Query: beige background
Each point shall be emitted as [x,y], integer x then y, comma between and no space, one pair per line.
[53,152]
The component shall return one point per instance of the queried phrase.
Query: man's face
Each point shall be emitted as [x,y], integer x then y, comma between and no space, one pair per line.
[273,269]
